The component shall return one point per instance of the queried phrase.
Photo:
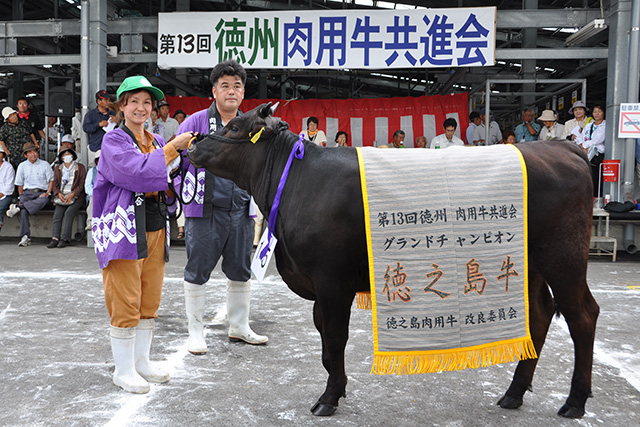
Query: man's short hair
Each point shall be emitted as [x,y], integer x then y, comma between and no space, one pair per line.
[313,119]
[527,109]
[474,115]
[450,122]
[398,133]
[228,68]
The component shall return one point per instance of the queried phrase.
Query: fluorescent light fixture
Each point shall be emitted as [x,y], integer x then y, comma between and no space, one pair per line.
[586,32]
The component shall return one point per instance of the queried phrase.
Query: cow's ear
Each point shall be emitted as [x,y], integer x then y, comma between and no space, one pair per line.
[265,111]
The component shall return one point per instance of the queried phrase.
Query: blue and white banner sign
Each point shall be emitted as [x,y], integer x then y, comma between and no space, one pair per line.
[375,39]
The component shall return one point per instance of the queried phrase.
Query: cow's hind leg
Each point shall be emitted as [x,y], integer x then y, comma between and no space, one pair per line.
[332,321]
[580,310]
[541,309]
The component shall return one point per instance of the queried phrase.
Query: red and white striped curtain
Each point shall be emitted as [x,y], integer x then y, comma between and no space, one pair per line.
[368,122]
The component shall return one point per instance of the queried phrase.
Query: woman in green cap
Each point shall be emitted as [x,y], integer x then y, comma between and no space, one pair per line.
[129,228]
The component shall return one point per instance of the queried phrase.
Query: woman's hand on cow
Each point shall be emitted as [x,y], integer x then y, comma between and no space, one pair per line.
[181,142]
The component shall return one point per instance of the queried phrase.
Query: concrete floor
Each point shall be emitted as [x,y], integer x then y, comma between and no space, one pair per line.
[56,363]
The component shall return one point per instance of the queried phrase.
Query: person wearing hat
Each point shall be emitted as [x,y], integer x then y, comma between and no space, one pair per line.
[495,136]
[170,125]
[95,120]
[34,179]
[179,115]
[7,183]
[573,127]
[129,229]
[551,129]
[528,130]
[14,134]
[68,196]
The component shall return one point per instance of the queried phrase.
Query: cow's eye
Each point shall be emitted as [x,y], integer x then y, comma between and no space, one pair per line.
[234,129]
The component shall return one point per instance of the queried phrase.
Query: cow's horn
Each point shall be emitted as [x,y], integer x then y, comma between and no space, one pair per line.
[274,106]
[265,111]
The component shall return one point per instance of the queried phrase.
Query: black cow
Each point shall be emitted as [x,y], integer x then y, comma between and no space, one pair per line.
[322,256]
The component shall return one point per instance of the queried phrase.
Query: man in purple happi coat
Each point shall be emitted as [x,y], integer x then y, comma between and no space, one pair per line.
[217,221]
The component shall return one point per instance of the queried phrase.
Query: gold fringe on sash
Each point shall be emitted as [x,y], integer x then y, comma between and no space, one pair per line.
[363,300]
[454,360]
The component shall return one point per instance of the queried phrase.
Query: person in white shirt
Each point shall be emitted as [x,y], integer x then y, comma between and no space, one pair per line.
[7,178]
[421,142]
[592,141]
[474,121]
[551,129]
[34,179]
[170,125]
[314,134]
[495,136]
[447,139]
[574,127]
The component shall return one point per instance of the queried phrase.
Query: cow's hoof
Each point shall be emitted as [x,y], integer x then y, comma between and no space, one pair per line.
[570,411]
[323,409]
[508,402]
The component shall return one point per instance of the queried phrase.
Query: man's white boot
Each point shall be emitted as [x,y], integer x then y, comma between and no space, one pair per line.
[144,336]
[238,302]
[194,298]
[123,348]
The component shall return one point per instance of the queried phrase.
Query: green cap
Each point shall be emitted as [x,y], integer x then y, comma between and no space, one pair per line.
[139,82]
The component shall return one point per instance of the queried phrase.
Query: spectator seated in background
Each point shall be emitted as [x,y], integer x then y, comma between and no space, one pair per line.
[153,125]
[447,139]
[68,196]
[591,140]
[179,115]
[421,142]
[66,141]
[573,127]
[88,188]
[509,137]
[30,119]
[14,134]
[551,129]
[314,134]
[34,179]
[528,130]
[474,122]
[7,182]
[398,139]
[95,120]
[495,136]
[170,125]
[342,139]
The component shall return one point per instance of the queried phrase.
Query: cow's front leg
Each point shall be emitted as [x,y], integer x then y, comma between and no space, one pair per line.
[332,321]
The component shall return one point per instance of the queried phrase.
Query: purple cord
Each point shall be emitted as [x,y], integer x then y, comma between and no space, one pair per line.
[298,151]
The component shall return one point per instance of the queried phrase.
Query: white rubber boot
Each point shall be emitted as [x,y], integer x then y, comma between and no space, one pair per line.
[144,367]
[123,348]
[194,298]
[238,302]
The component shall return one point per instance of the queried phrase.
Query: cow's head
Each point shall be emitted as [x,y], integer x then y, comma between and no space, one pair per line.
[252,128]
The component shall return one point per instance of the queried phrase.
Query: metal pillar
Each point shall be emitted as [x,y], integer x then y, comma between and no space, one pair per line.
[85,94]
[617,79]
[529,41]
[97,45]
[634,82]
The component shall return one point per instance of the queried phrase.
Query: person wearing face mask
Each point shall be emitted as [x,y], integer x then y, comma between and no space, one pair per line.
[68,196]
